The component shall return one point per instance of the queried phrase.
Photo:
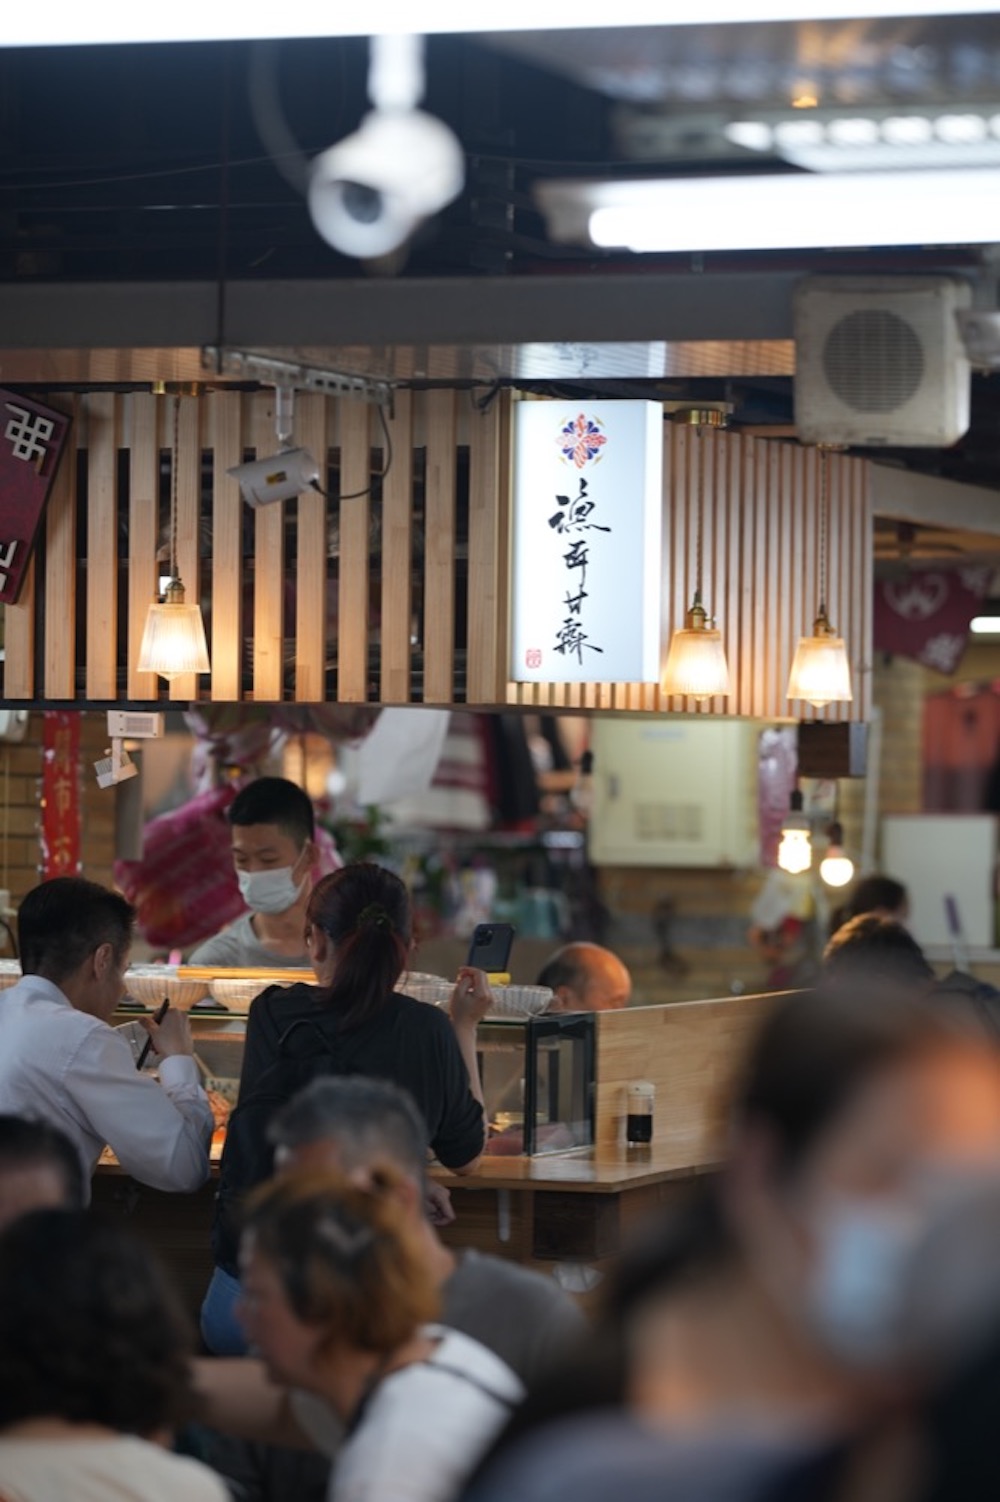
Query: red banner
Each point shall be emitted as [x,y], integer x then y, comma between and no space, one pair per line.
[926,612]
[31,441]
[60,828]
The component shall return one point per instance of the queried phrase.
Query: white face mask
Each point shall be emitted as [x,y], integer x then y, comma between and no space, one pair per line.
[855,1296]
[270,892]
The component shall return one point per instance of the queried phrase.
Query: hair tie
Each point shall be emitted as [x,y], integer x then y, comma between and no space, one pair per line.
[374,916]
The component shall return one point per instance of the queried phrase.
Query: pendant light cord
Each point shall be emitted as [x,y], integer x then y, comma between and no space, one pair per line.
[700,514]
[173,488]
[824,524]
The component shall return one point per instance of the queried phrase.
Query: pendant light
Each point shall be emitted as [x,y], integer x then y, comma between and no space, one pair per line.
[820,671]
[173,641]
[795,846]
[696,663]
[836,868]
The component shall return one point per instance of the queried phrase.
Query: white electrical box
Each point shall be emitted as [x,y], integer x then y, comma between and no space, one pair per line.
[674,792]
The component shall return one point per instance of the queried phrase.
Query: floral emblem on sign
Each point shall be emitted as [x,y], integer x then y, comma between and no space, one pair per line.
[581,440]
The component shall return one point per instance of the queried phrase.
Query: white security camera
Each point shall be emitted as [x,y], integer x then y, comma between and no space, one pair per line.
[368,193]
[278,478]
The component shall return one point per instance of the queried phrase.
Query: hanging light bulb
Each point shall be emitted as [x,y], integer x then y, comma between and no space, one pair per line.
[795,847]
[173,641]
[696,663]
[836,868]
[820,672]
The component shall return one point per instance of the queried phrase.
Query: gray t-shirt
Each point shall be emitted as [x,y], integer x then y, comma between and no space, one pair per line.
[237,947]
[522,1315]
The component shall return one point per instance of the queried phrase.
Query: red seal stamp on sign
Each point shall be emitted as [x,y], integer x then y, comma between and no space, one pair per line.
[533,657]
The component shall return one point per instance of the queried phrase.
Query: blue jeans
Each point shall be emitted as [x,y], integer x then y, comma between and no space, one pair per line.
[220,1329]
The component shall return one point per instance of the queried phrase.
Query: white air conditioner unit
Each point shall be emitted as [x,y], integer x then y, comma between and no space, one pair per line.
[880,360]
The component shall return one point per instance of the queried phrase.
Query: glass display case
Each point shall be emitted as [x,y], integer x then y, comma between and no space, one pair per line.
[538,1082]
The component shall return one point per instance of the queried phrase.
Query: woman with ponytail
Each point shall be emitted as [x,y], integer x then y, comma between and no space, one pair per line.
[353,1021]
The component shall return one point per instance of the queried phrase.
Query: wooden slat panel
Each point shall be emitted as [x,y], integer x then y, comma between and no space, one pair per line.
[355,526]
[489,552]
[19,641]
[140,437]
[397,557]
[269,568]
[226,646]
[60,573]
[439,549]
[102,546]
[310,564]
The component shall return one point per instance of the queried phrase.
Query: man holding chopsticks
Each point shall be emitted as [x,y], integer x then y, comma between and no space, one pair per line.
[61,1062]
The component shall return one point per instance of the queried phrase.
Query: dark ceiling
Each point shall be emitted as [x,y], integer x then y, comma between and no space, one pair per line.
[187,162]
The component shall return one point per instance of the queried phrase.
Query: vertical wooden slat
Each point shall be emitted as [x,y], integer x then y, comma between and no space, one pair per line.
[268,568]
[397,557]
[60,573]
[102,546]
[19,641]
[226,647]
[730,564]
[355,525]
[439,549]
[489,552]
[140,437]
[310,565]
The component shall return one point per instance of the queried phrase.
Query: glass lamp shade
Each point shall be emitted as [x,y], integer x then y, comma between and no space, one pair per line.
[836,868]
[696,663]
[173,641]
[820,671]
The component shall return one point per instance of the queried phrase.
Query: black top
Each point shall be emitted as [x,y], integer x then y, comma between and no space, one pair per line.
[408,1043]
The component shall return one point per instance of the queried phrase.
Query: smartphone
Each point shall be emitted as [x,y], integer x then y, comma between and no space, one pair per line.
[491,946]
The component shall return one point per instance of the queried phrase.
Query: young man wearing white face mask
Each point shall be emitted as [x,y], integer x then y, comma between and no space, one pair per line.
[274,853]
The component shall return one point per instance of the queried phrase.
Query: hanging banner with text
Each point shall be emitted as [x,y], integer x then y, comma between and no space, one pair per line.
[60,827]
[586,564]
[32,438]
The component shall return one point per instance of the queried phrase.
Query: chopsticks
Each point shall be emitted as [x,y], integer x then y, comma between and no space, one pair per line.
[158,1016]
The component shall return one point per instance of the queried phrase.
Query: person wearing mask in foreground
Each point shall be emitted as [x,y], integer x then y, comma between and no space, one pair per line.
[60,1060]
[274,850]
[338,1300]
[39,1169]
[586,978]
[351,1126]
[94,1359]
[353,1021]
[778,1332]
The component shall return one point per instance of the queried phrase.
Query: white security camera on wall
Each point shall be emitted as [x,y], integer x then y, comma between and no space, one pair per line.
[368,193]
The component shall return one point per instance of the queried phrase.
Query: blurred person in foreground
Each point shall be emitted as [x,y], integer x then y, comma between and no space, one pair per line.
[352,1126]
[94,1353]
[873,951]
[339,1301]
[62,1062]
[772,1325]
[39,1169]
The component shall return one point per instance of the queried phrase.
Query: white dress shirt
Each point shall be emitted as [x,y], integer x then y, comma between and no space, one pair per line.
[71,1069]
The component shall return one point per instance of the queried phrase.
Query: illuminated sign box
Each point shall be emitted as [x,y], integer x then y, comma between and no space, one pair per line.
[586,561]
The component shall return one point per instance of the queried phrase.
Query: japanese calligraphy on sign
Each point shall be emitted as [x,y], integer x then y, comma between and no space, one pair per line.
[59,831]
[32,438]
[587,501]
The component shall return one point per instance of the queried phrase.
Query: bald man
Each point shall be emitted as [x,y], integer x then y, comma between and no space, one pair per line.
[586,978]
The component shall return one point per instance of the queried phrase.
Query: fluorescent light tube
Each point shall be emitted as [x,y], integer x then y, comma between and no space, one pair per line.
[986,625]
[784,211]
[109,21]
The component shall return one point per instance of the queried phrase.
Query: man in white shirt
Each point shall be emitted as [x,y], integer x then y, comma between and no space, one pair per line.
[61,1062]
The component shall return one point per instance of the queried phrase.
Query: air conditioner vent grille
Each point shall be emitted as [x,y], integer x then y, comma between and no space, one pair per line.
[873,360]
[677,822]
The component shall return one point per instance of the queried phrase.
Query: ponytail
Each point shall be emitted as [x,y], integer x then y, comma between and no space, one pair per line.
[364,910]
